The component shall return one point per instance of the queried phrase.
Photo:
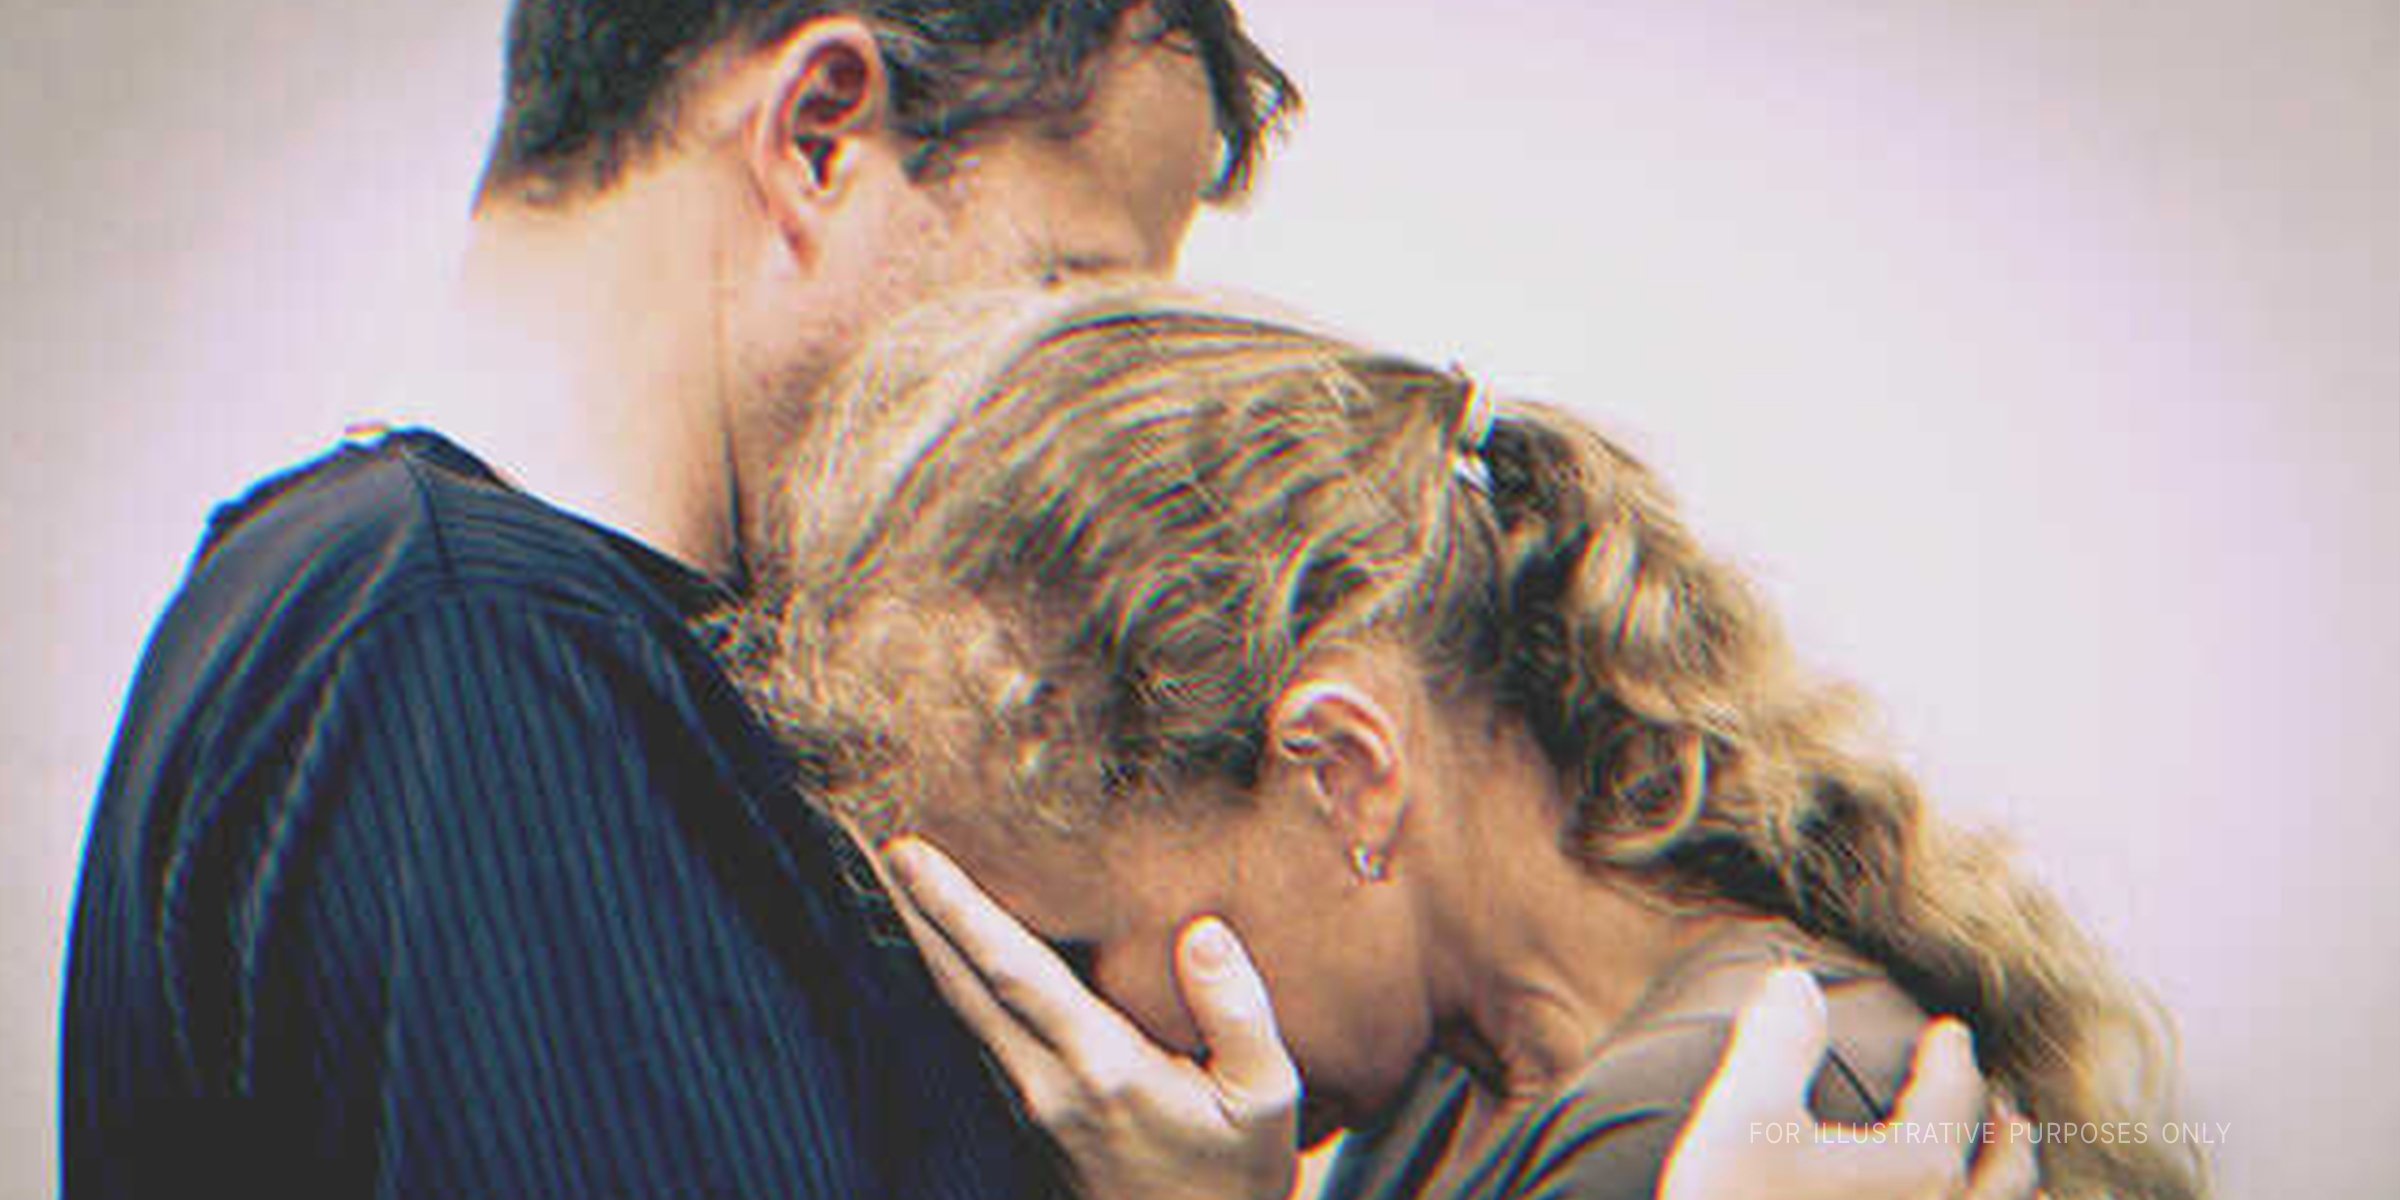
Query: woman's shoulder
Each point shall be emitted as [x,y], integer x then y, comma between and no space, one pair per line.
[1608,1132]
[1667,1049]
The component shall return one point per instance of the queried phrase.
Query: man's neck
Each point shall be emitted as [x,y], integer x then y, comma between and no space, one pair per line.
[585,365]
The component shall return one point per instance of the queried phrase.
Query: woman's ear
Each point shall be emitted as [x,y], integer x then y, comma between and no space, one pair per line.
[1343,746]
[828,94]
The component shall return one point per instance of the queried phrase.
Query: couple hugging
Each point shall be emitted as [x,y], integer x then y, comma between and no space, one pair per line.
[931,712]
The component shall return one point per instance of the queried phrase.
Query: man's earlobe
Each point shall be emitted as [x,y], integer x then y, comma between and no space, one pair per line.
[829,91]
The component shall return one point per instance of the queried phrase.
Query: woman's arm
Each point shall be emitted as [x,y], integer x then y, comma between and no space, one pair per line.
[1140,1122]
[1137,1121]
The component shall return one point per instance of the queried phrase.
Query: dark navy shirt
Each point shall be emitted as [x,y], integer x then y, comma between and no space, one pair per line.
[437,857]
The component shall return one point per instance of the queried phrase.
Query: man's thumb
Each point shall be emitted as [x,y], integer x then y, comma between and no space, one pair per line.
[1778,1044]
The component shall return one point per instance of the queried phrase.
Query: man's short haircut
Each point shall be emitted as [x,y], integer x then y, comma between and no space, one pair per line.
[592,84]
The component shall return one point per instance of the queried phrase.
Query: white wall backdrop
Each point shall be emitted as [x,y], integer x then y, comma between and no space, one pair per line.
[2042,356]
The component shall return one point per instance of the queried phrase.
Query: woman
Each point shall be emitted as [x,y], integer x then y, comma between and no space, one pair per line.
[1512,792]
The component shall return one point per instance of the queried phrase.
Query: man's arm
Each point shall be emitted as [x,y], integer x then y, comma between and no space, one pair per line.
[1726,1152]
[529,948]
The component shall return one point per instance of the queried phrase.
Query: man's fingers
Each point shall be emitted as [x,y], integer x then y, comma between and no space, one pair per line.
[1944,1089]
[1254,1075]
[1778,1044]
[2008,1169]
[1944,1092]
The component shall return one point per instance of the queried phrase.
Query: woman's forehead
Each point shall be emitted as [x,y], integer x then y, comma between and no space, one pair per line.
[1093,881]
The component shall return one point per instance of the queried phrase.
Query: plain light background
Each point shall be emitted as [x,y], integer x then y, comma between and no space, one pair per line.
[2041,356]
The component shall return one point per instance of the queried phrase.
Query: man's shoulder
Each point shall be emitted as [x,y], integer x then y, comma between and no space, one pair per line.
[393,637]
[378,522]
[381,537]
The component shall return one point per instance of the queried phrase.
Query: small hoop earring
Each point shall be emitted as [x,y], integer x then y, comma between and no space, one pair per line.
[1369,865]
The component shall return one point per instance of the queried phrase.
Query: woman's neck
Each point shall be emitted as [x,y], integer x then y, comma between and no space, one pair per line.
[1541,1001]
[1545,958]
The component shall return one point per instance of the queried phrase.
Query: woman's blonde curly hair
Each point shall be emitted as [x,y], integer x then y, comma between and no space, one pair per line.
[1120,523]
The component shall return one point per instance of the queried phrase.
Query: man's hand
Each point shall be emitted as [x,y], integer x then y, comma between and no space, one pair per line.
[1137,1121]
[1753,1135]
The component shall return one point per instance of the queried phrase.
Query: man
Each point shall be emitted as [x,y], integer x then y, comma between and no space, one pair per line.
[435,857]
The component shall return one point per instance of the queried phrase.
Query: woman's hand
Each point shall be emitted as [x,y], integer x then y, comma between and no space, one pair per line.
[1137,1122]
[1754,1136]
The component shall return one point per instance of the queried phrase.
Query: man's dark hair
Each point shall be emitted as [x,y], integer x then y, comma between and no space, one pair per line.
[592,84]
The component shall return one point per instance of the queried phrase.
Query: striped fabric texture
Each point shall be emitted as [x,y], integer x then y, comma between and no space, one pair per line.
[436,857]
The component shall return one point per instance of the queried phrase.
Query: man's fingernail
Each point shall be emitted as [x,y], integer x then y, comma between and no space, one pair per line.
[1212,948]
[1796,988]
[1959,1035]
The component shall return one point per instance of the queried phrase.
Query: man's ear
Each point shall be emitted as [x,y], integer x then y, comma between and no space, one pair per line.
[829,93]
[1345,747]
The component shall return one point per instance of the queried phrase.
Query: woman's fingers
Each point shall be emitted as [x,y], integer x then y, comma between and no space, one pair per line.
[1136,1121]
[1254,1076]
[1022,973]
[1030,1063]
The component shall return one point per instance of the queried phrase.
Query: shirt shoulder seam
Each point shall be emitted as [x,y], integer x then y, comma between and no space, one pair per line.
[421,489]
